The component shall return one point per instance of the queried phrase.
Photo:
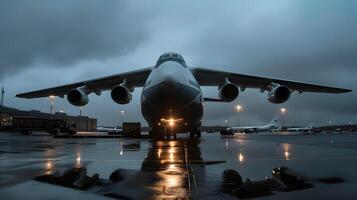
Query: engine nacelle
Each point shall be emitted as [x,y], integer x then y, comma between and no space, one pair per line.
[121,94]
[77,97]
[228,92]
[279,94]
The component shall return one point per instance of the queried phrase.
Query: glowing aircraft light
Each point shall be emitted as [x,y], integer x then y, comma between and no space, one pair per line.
[171,123]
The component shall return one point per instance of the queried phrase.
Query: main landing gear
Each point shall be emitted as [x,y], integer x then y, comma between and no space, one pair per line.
[162,133]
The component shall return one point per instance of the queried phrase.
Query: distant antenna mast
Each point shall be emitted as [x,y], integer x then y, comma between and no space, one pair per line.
[2,96]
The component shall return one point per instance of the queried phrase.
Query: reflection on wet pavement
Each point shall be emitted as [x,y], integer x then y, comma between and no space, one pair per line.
[142,169]
[173,164]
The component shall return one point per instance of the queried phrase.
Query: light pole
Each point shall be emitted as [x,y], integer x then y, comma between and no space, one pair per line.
[225,122]
[238,108]
[283,112]
[122,117]
[52,103]
[80,111]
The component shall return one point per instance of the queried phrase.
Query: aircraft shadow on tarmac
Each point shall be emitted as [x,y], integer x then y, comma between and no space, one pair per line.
[173,170]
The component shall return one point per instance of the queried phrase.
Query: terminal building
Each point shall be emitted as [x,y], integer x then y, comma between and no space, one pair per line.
[82,123]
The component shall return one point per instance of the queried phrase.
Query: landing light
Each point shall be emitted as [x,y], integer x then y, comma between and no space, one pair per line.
[170,122]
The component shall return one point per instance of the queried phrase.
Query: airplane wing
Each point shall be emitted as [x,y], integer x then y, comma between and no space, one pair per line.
[208,77]
[135,78]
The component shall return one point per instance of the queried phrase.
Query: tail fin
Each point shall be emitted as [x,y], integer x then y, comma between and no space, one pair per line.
[275,121]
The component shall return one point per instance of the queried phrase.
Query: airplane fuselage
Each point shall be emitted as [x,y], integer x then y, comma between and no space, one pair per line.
[172,98]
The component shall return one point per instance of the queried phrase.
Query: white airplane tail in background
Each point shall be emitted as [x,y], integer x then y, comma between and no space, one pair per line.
[275,121]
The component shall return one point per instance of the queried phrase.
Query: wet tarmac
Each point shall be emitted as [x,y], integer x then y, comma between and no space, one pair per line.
[43,167]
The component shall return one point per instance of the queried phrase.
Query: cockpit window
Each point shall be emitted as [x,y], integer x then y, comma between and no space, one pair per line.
[171,57]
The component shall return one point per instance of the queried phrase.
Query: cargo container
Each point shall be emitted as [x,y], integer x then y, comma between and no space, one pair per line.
[26,125]
[131,129]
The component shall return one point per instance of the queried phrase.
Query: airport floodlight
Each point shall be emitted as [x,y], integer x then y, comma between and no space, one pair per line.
[241,157]
[283,111]
[52,102]
[238,108]
[122,113]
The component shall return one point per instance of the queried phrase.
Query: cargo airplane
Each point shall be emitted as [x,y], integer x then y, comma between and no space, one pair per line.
[273,124]
[171,99]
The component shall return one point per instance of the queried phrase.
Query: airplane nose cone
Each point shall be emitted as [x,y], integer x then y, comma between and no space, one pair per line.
[169,85]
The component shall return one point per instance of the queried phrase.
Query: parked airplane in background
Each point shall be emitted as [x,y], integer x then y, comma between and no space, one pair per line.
[300,129]
[307,129]
[273,124]
[172,99]
[109,129]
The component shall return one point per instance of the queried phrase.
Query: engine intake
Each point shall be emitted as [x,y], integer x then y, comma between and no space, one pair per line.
[121,94]
[228,92]
[279,94]
[77,97]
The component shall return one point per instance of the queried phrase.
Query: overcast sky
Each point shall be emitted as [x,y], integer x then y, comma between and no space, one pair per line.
[49,43]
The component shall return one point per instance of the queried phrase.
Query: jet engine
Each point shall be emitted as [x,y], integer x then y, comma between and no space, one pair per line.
[279,94]
[78,97]
[228,92]
[121,94]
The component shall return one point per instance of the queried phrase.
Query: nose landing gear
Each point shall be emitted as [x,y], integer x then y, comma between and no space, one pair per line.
[162,133]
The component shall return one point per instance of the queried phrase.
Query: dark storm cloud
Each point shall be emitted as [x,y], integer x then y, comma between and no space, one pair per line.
[311,41]
[62,33]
